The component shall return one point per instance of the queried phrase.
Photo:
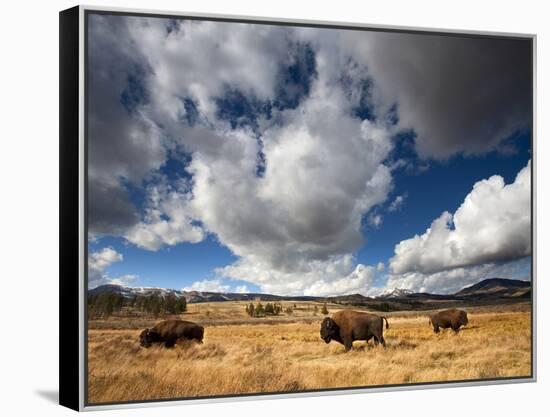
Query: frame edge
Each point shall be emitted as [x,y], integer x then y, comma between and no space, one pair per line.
[69,378]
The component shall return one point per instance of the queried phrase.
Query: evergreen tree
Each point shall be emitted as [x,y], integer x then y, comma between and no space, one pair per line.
[181,305]
[156,307]
[250,309]
[259,310]
[324,310]
[169,306]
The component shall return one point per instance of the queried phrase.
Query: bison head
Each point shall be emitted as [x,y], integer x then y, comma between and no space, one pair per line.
[148,337]
[329,330]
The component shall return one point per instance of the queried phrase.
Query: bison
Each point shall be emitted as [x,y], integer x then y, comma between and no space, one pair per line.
[171,331]
[346,326]
[452,318]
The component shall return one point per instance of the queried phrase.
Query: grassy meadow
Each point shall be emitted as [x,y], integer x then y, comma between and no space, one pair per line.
[243,355]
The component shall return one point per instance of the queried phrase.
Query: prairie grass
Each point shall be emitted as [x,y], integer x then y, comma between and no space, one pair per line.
[288,355]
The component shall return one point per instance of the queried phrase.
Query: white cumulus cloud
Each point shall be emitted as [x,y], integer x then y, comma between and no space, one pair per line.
[493,225]
[98,262]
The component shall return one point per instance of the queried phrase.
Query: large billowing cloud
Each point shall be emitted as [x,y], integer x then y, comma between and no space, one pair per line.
[492,226]
[305,211]
[285,133]
[310,201]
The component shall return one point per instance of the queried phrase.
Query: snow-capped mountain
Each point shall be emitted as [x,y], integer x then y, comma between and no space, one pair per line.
[190,296]
[395,293]
[130,292]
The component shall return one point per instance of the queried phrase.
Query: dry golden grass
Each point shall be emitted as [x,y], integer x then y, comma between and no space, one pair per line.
[277,356]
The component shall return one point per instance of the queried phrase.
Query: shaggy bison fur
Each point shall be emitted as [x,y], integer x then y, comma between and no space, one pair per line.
[452,318]
[169,332]
[346,326]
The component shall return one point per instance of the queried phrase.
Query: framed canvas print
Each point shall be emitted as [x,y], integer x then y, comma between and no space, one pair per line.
[265,207]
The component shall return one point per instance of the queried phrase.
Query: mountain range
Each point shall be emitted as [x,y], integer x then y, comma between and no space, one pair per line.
[488,291]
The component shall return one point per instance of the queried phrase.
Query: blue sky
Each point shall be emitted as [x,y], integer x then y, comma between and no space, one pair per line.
[297,161]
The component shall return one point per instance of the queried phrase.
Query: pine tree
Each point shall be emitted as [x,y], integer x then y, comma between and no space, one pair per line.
[156,308]
[324,310]
[250,309]
[259,310]
[170,304]
[181,305]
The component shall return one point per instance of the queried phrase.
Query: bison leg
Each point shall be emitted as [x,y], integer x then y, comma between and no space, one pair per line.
[348,343]
[169,343]
[456,327]
[436,328]
[379,339]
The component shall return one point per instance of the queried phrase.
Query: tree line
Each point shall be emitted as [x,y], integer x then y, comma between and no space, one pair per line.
[106,304]
[258,310]
[274,309]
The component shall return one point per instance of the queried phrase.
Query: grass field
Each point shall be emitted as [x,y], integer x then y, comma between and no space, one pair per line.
[280,354]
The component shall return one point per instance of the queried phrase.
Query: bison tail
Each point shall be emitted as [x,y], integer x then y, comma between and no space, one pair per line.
[387,325]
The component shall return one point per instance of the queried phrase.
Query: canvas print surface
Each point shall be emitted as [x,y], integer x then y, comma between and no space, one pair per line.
[283,208]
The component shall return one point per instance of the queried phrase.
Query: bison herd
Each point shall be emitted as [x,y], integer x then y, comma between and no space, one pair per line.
[344,327]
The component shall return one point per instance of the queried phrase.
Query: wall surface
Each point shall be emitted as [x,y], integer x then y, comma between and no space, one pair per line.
[29,209]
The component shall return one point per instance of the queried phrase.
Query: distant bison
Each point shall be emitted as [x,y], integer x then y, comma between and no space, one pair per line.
[346,326]
[452,318]
[169,332]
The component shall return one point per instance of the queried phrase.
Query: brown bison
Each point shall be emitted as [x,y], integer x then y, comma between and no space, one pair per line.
[452,318]
[346,326]
[171,331]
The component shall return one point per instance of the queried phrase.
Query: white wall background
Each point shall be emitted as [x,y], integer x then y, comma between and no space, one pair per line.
[29,205]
